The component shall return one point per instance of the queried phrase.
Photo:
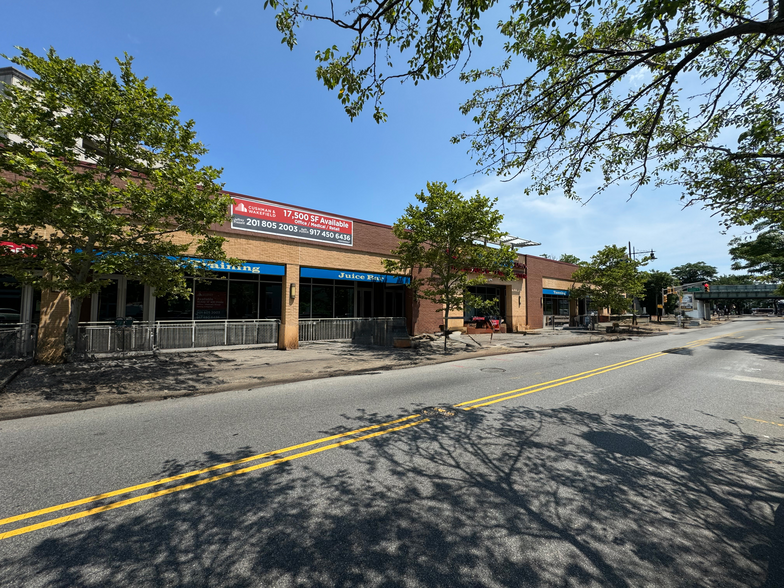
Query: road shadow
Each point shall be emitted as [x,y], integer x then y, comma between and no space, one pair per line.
[762,350]
[518,497]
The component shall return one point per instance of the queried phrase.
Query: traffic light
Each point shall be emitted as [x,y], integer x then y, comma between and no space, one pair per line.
[665,298]
[706,287]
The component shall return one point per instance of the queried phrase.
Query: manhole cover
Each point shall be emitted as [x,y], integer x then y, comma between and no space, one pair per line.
[442,412]
[492,370]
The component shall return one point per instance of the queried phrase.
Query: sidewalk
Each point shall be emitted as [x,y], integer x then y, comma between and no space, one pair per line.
[48,389]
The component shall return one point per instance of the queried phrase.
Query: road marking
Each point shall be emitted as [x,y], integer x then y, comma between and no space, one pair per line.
[476,403]
[758,380]
[129,501]
[347,440]
[766,422]
[184,475]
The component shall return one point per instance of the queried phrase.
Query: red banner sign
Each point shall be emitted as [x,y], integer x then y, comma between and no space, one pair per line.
[14,247]
[273,219]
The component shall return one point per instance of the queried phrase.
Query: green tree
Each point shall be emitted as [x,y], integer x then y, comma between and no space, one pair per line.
[442,245]
[610,280]
[655,282]
[683,91]
[694,272]
[568,258]
[735,280]
[99,173]
[762,255]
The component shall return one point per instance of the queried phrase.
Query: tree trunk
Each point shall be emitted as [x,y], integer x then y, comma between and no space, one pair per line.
[71,329]
[446,327]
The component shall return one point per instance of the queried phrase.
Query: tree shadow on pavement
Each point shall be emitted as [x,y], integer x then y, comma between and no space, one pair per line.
[518,497]
[82,381]
[763,350]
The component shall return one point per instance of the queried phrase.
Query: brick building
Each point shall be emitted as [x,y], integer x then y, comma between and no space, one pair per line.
[299,264]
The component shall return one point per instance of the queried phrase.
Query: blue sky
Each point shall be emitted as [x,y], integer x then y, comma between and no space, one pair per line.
[279,134]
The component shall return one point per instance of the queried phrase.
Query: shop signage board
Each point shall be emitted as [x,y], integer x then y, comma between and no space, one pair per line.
[552,292]
[246,267]
[258,216]
[324,274]
[16,248]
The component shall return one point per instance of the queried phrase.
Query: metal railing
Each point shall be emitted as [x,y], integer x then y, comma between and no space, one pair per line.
[107,338]
[18,340]
[366,331]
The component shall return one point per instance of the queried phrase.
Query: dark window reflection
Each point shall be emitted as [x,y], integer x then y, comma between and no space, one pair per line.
[271,301]
[344,301]
[243,300]
[134,300]
[175,309]
[211,300]
[107,302]
[10,300]
[322,301]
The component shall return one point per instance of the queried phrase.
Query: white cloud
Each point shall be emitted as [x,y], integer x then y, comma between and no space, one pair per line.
[654,219]
[218,10]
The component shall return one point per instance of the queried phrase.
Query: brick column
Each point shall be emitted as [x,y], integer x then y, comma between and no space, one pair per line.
[288,336]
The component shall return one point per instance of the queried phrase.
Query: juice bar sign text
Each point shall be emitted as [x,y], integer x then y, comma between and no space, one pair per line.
[273,219]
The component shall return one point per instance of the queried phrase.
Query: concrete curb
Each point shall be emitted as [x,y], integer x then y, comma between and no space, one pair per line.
[249,384]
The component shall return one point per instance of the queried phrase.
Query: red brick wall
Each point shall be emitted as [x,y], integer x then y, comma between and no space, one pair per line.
[538,269]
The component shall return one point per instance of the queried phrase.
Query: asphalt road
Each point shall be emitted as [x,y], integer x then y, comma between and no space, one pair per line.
[651,462]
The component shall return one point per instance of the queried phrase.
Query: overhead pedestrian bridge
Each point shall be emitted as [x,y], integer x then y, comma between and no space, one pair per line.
[747,291]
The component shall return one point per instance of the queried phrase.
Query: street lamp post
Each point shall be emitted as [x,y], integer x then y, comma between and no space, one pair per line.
[633,253]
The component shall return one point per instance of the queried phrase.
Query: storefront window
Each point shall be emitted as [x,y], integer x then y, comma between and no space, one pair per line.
[211,300]
[10,300]
[394,302]
[304,300]
[485,293]
[322,301]
[243,300]
[134,300]
[175,309]
[107,302]
[557,305]
[271,301]
[344,301]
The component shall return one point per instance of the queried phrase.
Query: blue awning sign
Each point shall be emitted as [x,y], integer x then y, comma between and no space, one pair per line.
[555,292]
[265,269]
[312,272]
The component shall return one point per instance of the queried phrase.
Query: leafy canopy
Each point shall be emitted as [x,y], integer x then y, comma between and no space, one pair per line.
[694,272]
[99,174]
[762,255]
[569,258]
[96,175]
[446,246]
[610,280]
[655,282]
[678,91]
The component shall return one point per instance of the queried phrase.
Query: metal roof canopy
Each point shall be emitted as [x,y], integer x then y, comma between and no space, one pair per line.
[515,242]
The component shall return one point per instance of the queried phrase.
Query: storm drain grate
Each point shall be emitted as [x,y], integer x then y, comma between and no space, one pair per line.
[492,370]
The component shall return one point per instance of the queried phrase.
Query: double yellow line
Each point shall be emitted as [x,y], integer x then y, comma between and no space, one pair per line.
[279,456]
[347,439]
